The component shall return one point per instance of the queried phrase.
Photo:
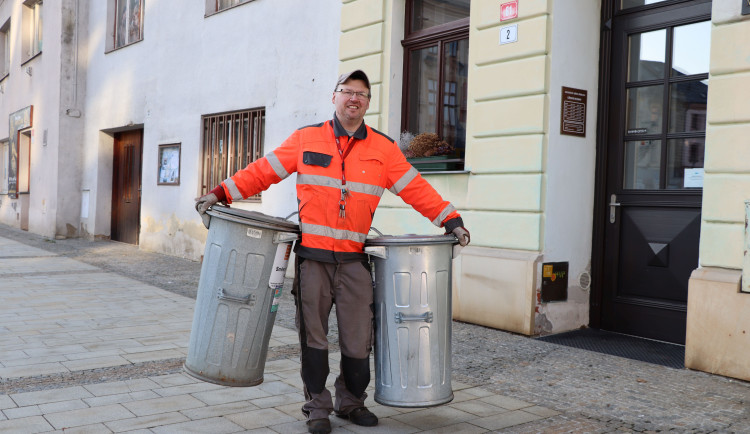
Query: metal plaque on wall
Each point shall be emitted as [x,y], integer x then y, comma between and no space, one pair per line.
[554,281]
[573,112]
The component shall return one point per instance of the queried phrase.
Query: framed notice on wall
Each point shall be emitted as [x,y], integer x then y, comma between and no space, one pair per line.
[573,112]
[169,164]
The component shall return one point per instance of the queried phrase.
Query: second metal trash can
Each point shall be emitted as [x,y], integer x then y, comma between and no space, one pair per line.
[240,286]
[413,313]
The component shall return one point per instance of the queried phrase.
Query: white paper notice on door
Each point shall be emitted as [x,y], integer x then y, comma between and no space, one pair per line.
[693,178]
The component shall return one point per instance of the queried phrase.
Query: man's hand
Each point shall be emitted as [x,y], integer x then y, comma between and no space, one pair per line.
[203,203]
[462,234]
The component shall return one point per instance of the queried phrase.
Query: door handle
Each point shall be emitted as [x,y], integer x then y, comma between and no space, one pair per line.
[613,204]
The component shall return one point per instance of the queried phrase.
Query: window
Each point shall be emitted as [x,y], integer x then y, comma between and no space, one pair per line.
[32,28]
[124,23]
[436,50]
[5,49]
[214,6]
[24,161]
[231,141]
[4,157]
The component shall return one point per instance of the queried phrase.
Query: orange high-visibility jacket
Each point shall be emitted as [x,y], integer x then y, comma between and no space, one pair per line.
[335,225]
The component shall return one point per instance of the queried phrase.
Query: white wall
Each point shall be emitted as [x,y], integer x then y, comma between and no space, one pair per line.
[283,57]
[570,161]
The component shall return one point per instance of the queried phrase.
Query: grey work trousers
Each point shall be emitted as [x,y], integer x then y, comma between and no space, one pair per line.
[317,286]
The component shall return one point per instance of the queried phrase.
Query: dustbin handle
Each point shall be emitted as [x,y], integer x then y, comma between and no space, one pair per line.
[379,251]
[372,228]
[284,237]
[426,317]
[223,296]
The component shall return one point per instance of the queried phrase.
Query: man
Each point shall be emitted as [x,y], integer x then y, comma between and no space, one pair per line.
[343,167]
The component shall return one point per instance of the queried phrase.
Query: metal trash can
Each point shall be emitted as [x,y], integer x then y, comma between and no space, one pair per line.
[413,314]
[240,286]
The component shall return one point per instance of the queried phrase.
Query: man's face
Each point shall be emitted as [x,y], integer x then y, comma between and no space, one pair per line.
[351,109]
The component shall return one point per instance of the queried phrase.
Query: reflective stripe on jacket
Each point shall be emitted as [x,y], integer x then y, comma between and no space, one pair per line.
[372,163]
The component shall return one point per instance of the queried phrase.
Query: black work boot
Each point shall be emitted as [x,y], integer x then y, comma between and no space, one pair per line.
[319,426]
[360,416]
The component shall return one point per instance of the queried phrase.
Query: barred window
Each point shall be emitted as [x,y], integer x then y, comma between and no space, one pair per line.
[231,141]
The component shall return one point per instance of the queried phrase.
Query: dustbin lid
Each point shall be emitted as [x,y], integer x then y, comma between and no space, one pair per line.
[253,218]
[411,239]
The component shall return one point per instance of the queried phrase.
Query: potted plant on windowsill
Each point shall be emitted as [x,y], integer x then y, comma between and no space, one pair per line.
[427,152]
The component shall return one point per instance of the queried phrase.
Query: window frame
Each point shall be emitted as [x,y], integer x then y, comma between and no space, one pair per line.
[5,47]
[4,161]
[212,6]
[217,168]
[32,37]
[113,19]
[439,35]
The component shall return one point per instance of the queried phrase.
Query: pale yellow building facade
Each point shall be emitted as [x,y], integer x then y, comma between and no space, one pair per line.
[531,195]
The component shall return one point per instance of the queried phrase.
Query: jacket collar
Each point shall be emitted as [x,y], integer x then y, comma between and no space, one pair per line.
[339,130]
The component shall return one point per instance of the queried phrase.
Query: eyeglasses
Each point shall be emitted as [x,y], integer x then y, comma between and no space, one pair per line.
[350,93]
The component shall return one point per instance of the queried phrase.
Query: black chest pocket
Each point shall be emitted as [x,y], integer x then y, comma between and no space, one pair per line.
[316,159]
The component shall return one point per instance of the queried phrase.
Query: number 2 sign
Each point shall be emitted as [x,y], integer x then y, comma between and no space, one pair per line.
[508,34]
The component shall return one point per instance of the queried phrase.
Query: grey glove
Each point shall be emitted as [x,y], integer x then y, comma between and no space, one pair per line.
[203,203]
[462,234]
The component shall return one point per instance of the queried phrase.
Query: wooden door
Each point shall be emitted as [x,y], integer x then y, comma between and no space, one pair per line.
[126,186]
[654,175]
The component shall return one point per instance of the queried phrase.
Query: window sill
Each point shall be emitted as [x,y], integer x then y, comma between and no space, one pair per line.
[31,58]
[122,46]
[436,164]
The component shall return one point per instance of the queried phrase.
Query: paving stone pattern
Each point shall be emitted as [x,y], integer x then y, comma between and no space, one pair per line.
[93,335]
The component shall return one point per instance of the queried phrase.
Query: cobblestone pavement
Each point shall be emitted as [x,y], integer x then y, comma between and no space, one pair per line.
[560,389]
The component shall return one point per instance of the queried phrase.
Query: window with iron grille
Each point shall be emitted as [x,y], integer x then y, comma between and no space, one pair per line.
[436,55]
[231,141]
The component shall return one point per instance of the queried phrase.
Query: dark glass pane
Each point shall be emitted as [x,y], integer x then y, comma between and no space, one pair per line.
[134,29]
[625,4]
[429,13]
[121,33]
[455,76]
[685,163]
[646,55]
[642,164]
[690,52]
[687,106]
[644,110]
[423,90]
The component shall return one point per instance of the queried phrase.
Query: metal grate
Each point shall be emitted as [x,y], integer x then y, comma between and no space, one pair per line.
[615,344]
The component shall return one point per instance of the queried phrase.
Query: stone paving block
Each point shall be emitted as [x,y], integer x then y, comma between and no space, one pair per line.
[267,417]
[88,416]
[145,422]
[231,394]
[505,420]
[162,405]
[293,409]
[541,411]
[120,398]
[383,411]
[186,389]
[462,428]
[284,365]
[434,417]
[6,402]
[153,356]
[216,425]
[174,379]
[26,425]
[97,428]
[51,395]
[95,363]
[506,402]
[277,387]
[478,408]
[58,407]
[21,412]
[92,354]
[119,387]
[218,410]
[278,400]
[51,360]
[384,426]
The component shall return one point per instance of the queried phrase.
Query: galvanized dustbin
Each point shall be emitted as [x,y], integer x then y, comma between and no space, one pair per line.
[240,286]
[413,313]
